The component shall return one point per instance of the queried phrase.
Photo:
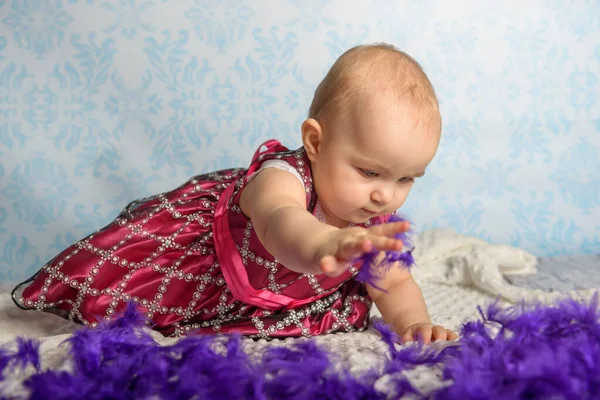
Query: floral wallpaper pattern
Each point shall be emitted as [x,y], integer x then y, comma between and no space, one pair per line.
[102,102]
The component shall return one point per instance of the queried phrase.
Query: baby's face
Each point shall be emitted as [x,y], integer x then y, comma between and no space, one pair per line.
[368,162]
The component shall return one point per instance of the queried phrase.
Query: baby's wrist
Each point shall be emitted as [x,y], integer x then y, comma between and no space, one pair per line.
[322,246]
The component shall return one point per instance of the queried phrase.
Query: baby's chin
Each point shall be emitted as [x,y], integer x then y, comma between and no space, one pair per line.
[359,219]
[355,217]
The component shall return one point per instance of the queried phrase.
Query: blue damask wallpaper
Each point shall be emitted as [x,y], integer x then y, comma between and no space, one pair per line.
[102,102]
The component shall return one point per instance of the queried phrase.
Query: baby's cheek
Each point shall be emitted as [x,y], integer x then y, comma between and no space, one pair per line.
[402,195]
[349,192]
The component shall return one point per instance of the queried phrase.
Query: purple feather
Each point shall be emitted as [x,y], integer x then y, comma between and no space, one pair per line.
[526,351]
[403,359]
[27,353]
[539,352]
[372,269]
[306,371]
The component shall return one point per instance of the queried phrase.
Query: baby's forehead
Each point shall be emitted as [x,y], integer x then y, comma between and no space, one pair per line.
[406,155]
[382,123]
[388,94]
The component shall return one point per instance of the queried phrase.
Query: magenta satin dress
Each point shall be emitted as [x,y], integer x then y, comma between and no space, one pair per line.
[191,261]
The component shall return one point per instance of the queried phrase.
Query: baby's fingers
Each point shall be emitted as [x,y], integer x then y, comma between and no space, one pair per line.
[452,335]
[390,229]
[385,243]
[439,333]
[425,333]
[355,247]
[329,266]
[334,265]
[407,337]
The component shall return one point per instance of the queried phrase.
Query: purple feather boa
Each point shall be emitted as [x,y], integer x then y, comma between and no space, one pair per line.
[527,351]
[372,269]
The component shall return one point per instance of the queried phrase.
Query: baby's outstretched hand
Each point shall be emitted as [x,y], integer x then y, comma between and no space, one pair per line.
[427,333]
[340,247]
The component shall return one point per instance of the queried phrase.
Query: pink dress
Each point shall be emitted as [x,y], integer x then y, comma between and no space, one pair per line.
[191,261]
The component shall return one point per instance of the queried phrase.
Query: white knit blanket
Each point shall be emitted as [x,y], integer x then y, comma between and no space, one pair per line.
[456,273]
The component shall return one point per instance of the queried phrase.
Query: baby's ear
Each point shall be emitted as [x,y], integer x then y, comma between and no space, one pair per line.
[312,137]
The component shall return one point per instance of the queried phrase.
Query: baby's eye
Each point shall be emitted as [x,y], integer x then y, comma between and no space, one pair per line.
[369,174]
[405,179]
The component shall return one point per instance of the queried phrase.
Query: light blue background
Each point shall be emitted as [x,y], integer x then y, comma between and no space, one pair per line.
[102,102]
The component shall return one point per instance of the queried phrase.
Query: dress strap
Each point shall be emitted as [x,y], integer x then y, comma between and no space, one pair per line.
[270,145]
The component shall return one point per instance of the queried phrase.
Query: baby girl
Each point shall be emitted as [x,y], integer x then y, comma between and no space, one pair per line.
[269,251]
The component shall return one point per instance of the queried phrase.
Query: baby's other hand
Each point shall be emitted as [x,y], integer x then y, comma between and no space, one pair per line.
[427,333]
[341,247]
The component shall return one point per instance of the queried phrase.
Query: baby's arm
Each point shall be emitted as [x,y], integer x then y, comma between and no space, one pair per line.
[403,307]
[275,201]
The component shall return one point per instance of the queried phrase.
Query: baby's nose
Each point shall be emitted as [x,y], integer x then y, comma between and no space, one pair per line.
[382,196]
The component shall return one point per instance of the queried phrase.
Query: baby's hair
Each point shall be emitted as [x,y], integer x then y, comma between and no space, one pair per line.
[378,66]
